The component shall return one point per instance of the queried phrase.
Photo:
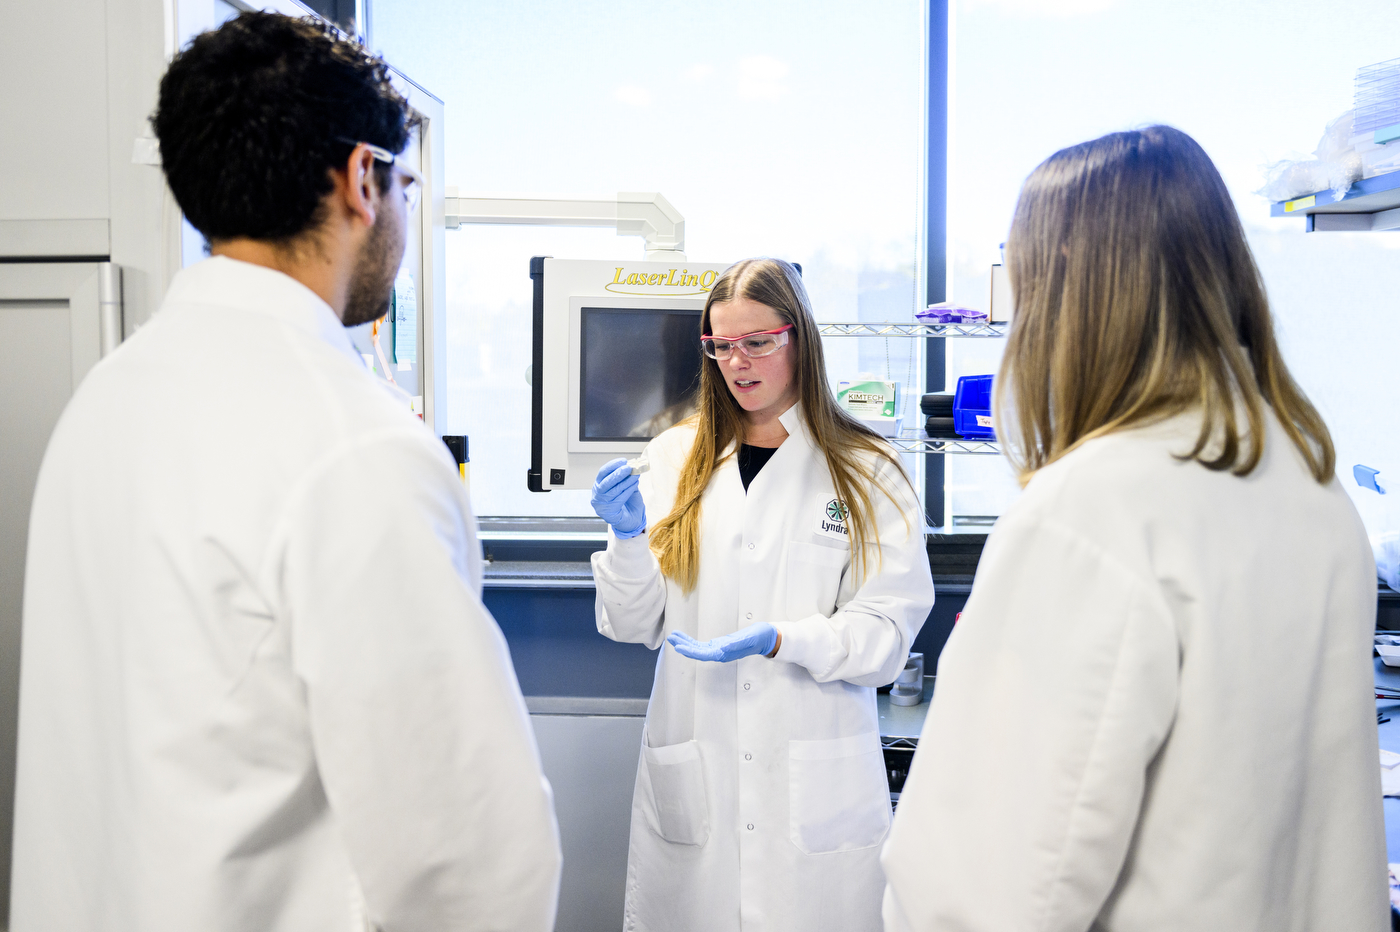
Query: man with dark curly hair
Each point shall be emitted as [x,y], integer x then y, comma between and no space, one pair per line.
[259,688]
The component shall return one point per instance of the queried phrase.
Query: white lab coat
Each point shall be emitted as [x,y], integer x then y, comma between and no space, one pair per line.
[1156,712]
[761,798]
[259,690]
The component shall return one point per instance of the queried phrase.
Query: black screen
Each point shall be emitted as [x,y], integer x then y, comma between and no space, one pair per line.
[640,371]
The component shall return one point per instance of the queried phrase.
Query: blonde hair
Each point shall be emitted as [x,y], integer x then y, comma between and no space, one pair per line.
[1137,298]
[675,539]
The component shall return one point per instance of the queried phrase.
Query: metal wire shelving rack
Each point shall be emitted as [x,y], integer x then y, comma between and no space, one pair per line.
[916,441]
[865,329]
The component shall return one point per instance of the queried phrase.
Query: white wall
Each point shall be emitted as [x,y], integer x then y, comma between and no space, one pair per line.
[54,155]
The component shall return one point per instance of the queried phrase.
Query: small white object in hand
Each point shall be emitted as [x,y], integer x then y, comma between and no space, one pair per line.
[639,465]
[1390,773]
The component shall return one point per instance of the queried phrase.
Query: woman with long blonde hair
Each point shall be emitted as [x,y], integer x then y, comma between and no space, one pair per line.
[777,547]
[1156,711]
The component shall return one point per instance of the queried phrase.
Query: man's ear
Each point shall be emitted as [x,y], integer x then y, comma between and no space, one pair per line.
[360,187]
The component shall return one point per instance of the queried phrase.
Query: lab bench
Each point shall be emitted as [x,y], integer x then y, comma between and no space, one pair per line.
[1390,741]
[587,699]
[546,613]
[900,727]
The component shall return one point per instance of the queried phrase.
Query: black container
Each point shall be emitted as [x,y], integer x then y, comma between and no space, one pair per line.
[941,427]
[937,404]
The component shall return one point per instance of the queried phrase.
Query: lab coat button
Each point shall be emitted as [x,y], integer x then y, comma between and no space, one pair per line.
[749,615]
[750,546]
[746,685]
[748,757]
[751,826]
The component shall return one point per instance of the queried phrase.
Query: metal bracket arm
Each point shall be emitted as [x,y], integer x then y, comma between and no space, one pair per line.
[645,214]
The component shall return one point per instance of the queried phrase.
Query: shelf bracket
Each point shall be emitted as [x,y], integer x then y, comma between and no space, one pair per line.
[1354,223]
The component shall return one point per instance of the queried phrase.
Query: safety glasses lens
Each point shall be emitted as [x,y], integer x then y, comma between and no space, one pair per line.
[759,346]
[412,191]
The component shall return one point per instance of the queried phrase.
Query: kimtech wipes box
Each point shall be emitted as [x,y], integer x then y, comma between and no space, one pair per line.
[875,403]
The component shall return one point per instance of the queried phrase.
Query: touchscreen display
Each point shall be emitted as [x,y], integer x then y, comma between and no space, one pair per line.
[640,371]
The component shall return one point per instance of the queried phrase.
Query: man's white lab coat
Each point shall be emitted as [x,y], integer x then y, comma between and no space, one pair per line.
[259,690]
[1156,712]
[761,798]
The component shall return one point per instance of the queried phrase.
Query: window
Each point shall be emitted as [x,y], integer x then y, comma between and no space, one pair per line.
[790,129]
[1253,84]
[347,14]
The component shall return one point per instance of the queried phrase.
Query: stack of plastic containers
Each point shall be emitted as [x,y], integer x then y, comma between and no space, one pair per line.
[938,414]
[966,414]
[1378,101]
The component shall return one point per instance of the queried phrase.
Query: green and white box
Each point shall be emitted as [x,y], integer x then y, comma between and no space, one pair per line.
[874,403]
[869,399]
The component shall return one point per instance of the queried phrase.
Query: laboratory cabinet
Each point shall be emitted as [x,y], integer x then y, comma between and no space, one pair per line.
[590,761]
[52,315]
[587,698]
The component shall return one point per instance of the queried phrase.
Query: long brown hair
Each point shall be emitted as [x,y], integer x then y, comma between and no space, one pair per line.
[847,444]
[1137,298]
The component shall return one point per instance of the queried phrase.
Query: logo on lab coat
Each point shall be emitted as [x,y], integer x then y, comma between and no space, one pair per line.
[832,521]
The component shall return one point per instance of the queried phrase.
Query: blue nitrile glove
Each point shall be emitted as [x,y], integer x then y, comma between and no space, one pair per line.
[617,500]
[746,642]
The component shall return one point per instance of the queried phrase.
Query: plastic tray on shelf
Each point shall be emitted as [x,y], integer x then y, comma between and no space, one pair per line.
[972,408]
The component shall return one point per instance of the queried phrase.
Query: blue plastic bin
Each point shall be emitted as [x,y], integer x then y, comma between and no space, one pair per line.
[972,408]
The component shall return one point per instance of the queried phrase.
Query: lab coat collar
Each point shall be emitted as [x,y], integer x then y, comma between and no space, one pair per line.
[795,423]
[223,282]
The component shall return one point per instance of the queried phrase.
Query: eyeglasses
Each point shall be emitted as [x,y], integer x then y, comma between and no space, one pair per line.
[413,182]
[753,345]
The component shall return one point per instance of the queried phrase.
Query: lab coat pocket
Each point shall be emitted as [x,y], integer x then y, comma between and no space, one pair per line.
[838,794]
[677,776]
[813,578]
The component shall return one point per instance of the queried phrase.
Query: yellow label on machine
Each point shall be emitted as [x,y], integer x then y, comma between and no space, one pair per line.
[1301,203]
[692,283]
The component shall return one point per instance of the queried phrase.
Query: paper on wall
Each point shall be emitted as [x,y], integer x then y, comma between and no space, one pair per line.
[405,312]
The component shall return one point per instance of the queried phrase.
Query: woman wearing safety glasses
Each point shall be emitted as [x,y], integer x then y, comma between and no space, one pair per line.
[777,546]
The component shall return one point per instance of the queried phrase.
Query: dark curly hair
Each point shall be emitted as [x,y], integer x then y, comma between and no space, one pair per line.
[251,119]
